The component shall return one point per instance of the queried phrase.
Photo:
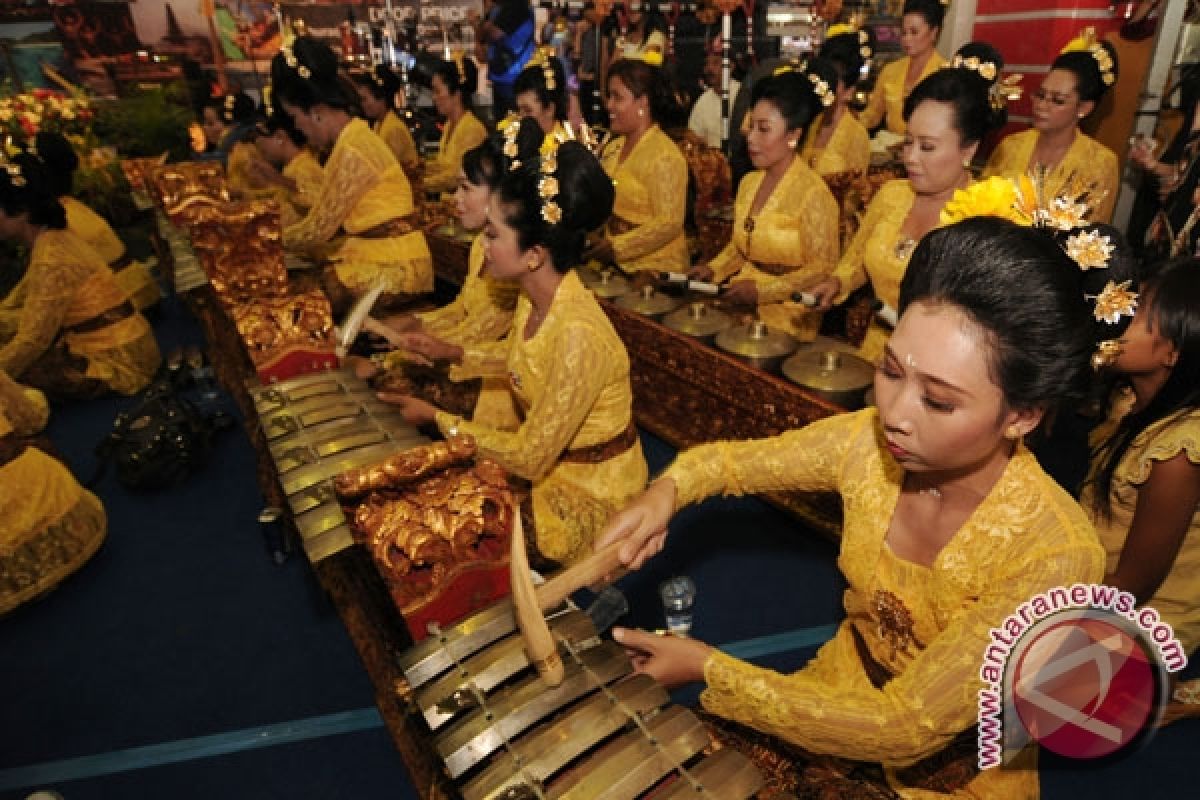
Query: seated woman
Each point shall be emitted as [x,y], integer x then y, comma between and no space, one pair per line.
[840,143]
[646,230]
[1069,160]
[227,121]
[541,91]
[785,230]
[52,525]
[949,526]
[77,333]
[453,87]
[287,165]
[363,220]
[1143,492]
[948,114]
[377,90]
[132,275]
[921,24]
[567,370]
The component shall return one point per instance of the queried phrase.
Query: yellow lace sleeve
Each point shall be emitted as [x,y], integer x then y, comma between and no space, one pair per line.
[25,409]
[1172,437]
[347,178]
[920,710]
[727,262]
[572,384]
[852,268]
[307,175]
[666,177]
[873,114]
[51,288]
[483,360]
[805,459]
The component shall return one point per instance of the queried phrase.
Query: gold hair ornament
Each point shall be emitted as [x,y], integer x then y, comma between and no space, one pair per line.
[1086,42]
[289,58]
[821,89]
[985,69]
[544,57]
[1006,90]
[1090,249]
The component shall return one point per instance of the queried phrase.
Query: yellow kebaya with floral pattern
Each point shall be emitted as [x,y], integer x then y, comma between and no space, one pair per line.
[441,172]
[365,188]
[132,275]
[848,148]
[399,138]
[1177,599]
[879,253]
[928,627]
[1087,165]
[306,172]
[481,312]
[51,524]
[790,244]
[886,103]
[650,206]
[570,380]
[67,286]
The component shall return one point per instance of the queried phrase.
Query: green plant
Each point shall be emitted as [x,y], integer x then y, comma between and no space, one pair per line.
[147,123]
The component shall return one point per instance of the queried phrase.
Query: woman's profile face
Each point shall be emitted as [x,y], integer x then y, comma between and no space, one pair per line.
[938,404]
[309,123]
[503,255]
[471,202]
[768,139]
[934,154]
[917,37]
[623,108]
[443,98]
[372,106]
[1144,350]
[1056,104]
[528,105]
[213,125]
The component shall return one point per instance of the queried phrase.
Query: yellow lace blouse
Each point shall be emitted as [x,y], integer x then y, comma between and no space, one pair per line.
[886,102]
[51,525]
[237,171]
[66,284]
[651,195]
[1087,162]
[364,187]
[441,172]
[1178,598]
[927,625]
[308,176]
[571,381]
[92,228]
[798,227]
[875,254]
[482,311]
[397,136]
[848,148]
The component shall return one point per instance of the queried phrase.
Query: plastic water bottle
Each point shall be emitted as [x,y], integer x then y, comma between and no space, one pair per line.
[678,594]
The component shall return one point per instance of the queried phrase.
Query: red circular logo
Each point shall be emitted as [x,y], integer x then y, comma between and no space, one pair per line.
[1084,687]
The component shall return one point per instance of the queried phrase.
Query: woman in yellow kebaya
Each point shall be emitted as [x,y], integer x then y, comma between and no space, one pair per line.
[132,275]
[921,25]
[288,166]
[646,230]
[838,143]
[453,86]
[363,220]
[76,334]
[948,114]
[785,231]
[949,526]
[541,91]
[1067,161]
[377,89]
[567,370]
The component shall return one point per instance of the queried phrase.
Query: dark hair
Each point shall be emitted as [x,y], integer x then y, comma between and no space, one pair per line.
[585,196]
[644,80]
[236,111]
[280,120]
[932,11]
[967,92]
[484,165]
[533,79]
[460,83]
[793,94]
[314,78]
[31,192]
[1024,294]
[380,81]
[1171,296]
[986,54]
[60,161]
[844,53]
[1089,80]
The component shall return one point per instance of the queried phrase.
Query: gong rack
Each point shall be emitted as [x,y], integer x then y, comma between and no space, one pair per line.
[604,733]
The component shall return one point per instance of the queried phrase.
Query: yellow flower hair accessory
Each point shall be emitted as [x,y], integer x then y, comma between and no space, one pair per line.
[1006,90]
[548,182]
[986,69]
[293,63]
[1086,42]
[992,197]
[510,127]
[652,57]
[1106,354]
[1090,249]
[230,102]
[544,57]
[457,58]
[1067,211]
[14,174]
[1115,301]
[821,89]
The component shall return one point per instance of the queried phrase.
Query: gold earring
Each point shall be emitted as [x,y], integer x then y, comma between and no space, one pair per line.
[641,112]
[966,163]
[533,264]
[792,144]
[1012,433]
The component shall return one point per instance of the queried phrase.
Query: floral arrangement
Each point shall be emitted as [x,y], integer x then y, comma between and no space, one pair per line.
[23,116]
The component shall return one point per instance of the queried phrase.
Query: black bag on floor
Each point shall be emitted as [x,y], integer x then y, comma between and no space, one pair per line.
[161,440]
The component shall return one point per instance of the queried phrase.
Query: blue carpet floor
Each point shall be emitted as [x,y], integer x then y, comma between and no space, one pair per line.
[182,662]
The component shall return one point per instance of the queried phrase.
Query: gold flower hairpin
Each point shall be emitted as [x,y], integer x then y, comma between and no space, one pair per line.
[544,57]
[986,69]
[289,58]
[1006,90]
[1116,300]
[842,29]
[821,89]
[1090,249]
[1086,42]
